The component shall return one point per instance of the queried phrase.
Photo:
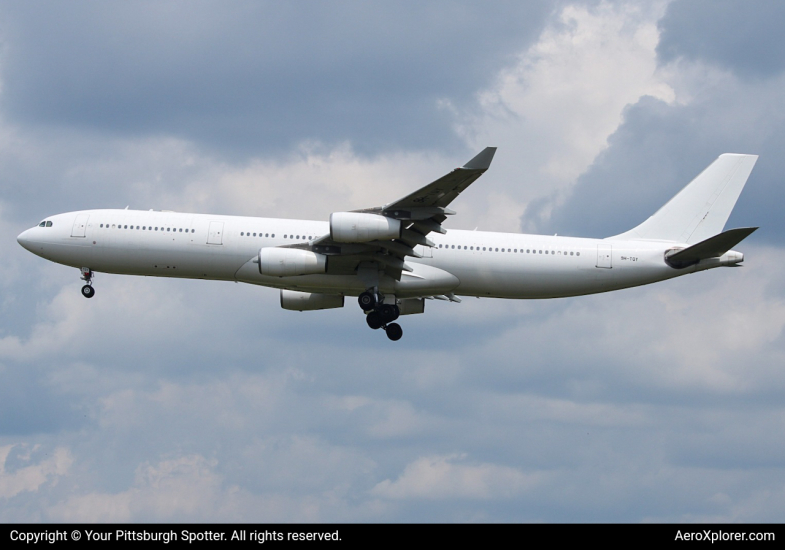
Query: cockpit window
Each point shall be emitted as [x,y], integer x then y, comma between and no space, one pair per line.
[48,224]
[42,224]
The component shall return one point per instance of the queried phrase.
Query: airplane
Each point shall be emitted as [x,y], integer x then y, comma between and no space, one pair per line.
[397,256]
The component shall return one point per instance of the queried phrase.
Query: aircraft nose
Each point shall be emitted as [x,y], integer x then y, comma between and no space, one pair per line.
[25,240]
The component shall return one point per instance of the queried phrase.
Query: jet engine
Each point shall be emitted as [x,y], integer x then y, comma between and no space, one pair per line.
[307,301]
[288,262]
[358,227]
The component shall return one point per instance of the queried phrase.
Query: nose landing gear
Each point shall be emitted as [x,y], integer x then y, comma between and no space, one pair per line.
[87,276]
[380,315]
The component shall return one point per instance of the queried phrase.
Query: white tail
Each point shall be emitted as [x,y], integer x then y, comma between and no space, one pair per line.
[700,210]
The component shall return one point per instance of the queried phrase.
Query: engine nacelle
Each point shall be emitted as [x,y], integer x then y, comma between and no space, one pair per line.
[288,262]
[307,301]
[358,227]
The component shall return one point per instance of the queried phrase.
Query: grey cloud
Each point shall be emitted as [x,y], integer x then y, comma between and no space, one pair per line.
[31,404]
[283,412]
[252,413]
[659,148]
[250,77]
[742,36]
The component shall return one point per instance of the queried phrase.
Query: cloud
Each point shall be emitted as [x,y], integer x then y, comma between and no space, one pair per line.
[660,147]
[257,76]
[31,478]
[740,36]
[553,110]
[183,486]
[190,400]
[192,488]
[444,477]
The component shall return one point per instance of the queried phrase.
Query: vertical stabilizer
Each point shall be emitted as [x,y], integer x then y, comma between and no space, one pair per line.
[700,210]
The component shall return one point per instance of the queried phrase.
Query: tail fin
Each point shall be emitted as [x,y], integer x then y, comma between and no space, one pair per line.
[700,210]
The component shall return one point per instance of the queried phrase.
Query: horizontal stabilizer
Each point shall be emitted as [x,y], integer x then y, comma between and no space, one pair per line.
[713,247]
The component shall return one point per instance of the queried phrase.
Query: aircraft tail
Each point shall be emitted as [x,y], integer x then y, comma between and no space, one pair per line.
[700,210]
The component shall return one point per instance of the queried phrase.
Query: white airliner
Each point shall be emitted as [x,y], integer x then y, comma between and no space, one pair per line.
[396,256]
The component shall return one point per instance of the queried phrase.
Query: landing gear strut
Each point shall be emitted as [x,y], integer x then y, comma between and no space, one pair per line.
[87,276]
[380,315]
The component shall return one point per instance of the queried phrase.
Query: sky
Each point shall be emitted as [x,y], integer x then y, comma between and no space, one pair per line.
[178,400]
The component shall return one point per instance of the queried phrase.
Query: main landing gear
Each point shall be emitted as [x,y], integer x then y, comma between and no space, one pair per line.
[87,276]
[380,315]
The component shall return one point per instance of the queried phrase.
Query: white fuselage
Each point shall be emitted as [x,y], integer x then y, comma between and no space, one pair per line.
[467,263]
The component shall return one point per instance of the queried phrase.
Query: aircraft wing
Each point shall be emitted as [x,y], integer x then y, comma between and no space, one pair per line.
[440,193]
[418,213]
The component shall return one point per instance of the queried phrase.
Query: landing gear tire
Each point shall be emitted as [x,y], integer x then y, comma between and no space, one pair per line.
[367,301]
[88,291]
[394,331]
[374,320]
[389,313]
